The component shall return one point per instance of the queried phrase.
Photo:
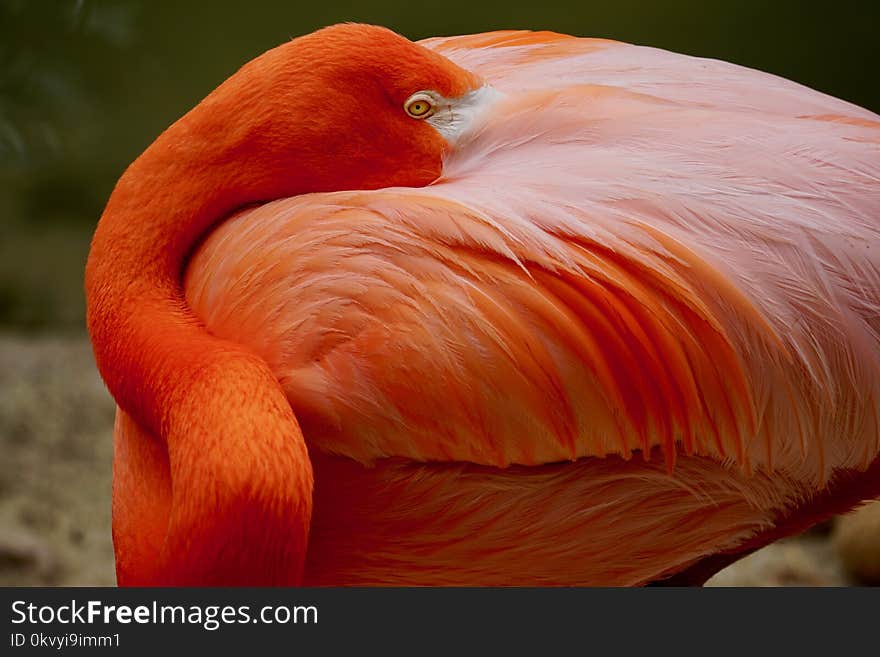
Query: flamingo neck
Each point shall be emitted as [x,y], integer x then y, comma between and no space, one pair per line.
[240,473]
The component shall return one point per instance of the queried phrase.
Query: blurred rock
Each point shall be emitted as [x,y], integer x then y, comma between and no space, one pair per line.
[857,540]
[808,560]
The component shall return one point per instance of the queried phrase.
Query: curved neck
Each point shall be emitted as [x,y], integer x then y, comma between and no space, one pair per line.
[142,331]
[241,478]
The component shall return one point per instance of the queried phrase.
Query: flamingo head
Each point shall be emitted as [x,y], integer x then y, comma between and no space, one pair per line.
[347,107]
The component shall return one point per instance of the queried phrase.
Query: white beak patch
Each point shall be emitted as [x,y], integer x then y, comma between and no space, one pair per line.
[456,117]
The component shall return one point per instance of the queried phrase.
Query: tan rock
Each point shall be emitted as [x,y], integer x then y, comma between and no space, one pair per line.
[803,561]
[857,540]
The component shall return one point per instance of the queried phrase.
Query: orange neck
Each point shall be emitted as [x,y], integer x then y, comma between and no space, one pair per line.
[240,473]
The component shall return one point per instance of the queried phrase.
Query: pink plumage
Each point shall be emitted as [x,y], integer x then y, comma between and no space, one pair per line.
[669,262]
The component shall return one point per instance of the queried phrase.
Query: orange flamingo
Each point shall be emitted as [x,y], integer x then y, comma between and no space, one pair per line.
[511,308]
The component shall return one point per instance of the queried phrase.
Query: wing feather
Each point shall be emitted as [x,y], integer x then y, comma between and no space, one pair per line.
[637,249]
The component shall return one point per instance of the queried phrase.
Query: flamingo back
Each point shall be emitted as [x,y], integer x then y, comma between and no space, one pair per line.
[637,252]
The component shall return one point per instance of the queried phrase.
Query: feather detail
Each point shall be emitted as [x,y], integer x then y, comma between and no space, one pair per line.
[635,250]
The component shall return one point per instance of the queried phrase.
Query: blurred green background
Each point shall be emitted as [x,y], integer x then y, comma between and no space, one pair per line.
[86,85]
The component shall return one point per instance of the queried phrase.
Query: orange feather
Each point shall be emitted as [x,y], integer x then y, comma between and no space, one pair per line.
[452,333]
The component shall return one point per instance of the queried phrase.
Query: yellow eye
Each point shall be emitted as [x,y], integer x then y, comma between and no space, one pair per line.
[419,106]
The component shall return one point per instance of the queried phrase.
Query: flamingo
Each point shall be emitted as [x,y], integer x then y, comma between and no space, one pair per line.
[508,308]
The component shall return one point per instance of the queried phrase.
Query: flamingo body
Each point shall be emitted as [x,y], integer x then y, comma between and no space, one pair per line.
[632,323]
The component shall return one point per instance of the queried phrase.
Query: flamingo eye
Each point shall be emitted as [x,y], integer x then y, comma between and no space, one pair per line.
[419,106]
